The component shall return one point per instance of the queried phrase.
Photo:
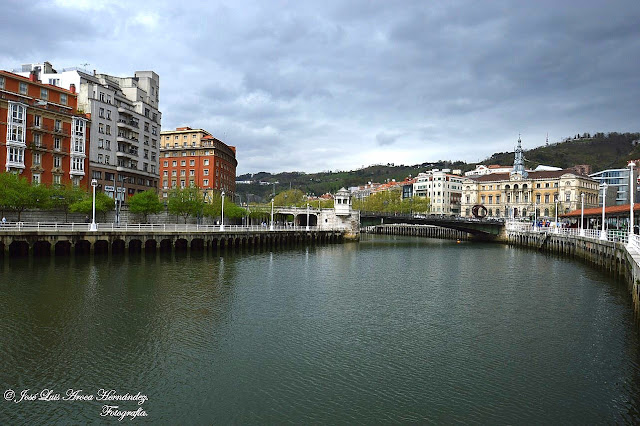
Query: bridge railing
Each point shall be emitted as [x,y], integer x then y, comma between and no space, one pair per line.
[613,235]
[138,227]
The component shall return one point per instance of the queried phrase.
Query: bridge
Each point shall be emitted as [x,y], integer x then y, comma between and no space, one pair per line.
[478,228]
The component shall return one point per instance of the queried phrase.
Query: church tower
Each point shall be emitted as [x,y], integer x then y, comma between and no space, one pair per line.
[518,163]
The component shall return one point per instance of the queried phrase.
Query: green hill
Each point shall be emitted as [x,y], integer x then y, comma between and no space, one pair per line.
[600,151]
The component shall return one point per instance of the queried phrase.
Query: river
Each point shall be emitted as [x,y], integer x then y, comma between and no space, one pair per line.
[388,330]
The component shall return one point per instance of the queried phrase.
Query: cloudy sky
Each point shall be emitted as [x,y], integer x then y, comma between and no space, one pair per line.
[336,85]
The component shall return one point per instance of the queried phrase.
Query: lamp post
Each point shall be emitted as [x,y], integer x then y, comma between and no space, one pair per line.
[222,212]
[603,233]
[93,227]
[271,225]
[307,217]
[631,191]
[535,215]
[557,230]
[582,215]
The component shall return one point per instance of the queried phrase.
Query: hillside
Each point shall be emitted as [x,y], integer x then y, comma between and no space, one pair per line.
[601,151]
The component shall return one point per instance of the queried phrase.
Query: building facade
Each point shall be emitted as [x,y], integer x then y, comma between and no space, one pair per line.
[527,194]
[443,189]
[126,124]
[193,157]
[42,131]
[617,181]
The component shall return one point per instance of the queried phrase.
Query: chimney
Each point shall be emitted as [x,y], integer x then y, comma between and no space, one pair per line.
[33,76]
[72,88]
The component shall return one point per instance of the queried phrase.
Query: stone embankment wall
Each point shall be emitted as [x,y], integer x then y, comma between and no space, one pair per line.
[613,257]
[428,231]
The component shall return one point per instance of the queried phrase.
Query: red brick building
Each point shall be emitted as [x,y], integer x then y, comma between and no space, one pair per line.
[194,157]
[42,135]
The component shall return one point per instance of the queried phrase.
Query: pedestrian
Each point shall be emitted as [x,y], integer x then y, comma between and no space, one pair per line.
[4,221]
[86,219]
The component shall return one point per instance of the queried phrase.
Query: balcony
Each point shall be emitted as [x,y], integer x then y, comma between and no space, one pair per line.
[130,124]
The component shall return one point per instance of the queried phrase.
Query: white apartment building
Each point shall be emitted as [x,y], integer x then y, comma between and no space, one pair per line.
[443,189]
[125,125]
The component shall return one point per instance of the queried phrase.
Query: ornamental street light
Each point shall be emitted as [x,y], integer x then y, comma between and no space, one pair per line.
[557,214]
[307,217]
[271,226]
[93,227]
[631,191]
[582,215]
[535,215]
[222,212]
[603,233]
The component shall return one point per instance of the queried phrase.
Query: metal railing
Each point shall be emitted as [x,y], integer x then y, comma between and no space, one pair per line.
[612,235]
[156,227]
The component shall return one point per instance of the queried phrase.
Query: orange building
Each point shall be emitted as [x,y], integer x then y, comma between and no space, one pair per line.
[42,135]
[194,157]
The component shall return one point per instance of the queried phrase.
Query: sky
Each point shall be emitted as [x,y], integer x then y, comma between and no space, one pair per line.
[337,85]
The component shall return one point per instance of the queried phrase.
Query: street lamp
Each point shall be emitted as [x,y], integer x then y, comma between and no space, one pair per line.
[222,212]
[307,217]
[535,215]
[271,226]
[557,230]
[93,227]
[603,233]
[631,191]
[582,215]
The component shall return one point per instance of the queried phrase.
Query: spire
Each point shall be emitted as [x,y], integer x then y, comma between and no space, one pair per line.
[518,162]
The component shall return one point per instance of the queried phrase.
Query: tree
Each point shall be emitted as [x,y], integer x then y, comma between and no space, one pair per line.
[231,210]
[17,194]
[104,203]
[62,197]
[290,197]
[145,203]
[186,202]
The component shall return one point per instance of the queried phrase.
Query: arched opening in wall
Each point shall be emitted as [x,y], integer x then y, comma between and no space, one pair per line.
[214,244]
[82,248]
[150,246]
[223,244]
[515,212]
[197,244]
[19,248]
[1,249]
[166,245]
[546,212]
[101,247]
[135,246]
[182,245]
[41,248]
[490,213]
[117,247]
[524,212]
[62,248]
[243,242]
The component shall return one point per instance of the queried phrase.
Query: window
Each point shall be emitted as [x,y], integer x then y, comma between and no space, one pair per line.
[497,202]
[166,164]
[63,98]
[100,128]
[107,145]
[108,129]
[58,125]
[108,99]
[23,88]
[56,143]
[57,161]
[102,97]
[153,143]
[108,115]
[153,156]
[537,198]
[146,140]
[206,162]
[56,180]
[146,127]
[100,158]
[101,143]
[192,172]
[568,197]
[1,82]
[183,163]
[107,160]
[36,158]
[44,93]
[192,162]
[546,198]
[96,174]
[146,153]
[154,131]
[183,172]
[101,113]
[206,172]
[37,139]
[174,173]
[77,164]
[490,199]
[205,182]
[54,81]
[174,163]
[15,155]
[35,179]
[165,173]
[37,121]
